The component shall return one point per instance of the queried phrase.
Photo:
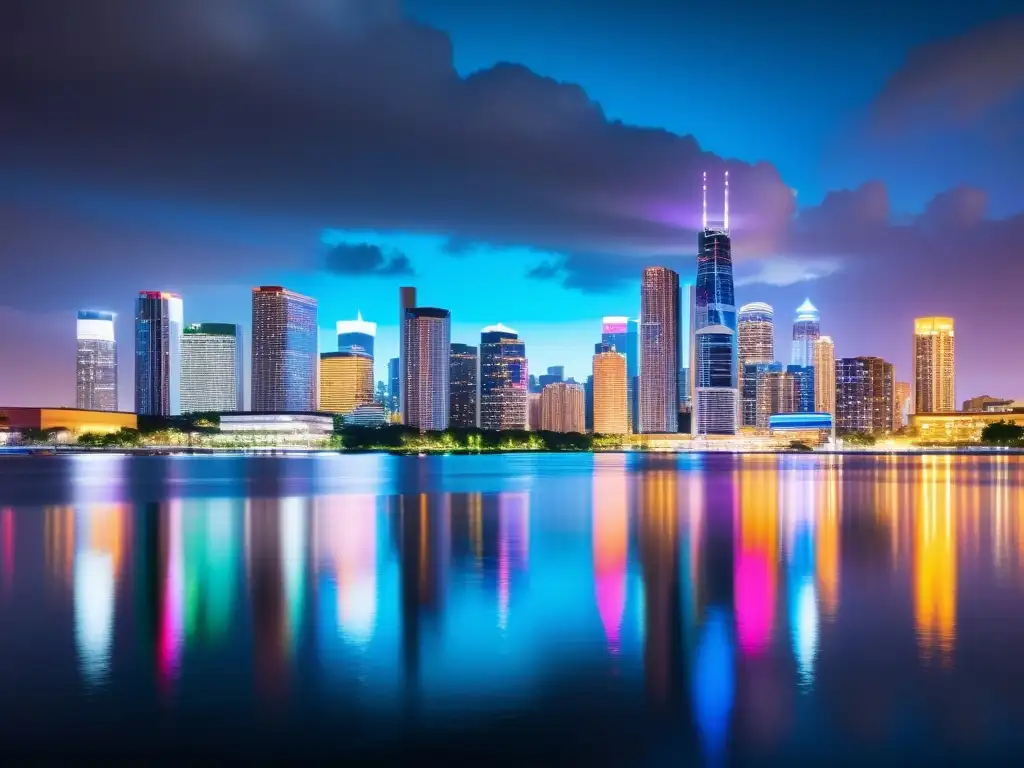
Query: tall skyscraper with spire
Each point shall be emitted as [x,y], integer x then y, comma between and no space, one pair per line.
[806,330]
[659,351]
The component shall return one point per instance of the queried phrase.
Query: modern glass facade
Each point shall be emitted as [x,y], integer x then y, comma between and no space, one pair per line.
[406,301]
[756,333]
[716,407]
[716,301]
[804,377]
[346,381]
[611,402]
[864,395]
[463,386]
[427,352]
[356,335]
[555,374]
[623,334]
[158,320]
[394,386]
[756,405]
[285,357]
[659,351]
[96,362]
[806,330]
[934,365]
[779,393]
[211,368]
[562,408]
[504,379]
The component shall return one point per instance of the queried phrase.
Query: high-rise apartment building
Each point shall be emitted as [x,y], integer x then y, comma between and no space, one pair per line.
[900,404]
[504,378]
[346,381]
[864,395]
[158,319]
[659,351]
[756,323]
[562,408]
[211,368]
[356,335]
[462,386]
[285,357]
[427,352]
[934,365]
[780,393]
[406,301]
[611,394]
[716,407]
[755,408]
[806,330]
[824,360]
[623,334]
[533,411]
[96,362]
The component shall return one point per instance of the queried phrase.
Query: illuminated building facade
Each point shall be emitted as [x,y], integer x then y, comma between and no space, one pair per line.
[504,379]
[659,351]
[158,319]
[562,408]
[959,427]
[824,361]
[804,377]
[622,334]
[211,368]
[779,393]
[934,365]
[284,350]
[406,301]
[394,386]
[346,381]
[611,394]
[356,335]
[756,333]
[427,339]
[463,386]
[717,401]
[96,362]
[754,408]
[806,330]
[76,421]
[715,296]
[900,403]
[864,394]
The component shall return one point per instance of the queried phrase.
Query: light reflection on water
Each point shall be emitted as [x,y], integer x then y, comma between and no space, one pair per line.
[724,606]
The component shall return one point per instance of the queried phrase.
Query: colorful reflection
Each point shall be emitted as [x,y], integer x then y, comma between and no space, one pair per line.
[659,557]
[99,534]
[827,540]
[757,554]
[798,503]
[171,638]
[211,532]
[935,567]
[6,551]
[611,550]
[513,547]
[714,684]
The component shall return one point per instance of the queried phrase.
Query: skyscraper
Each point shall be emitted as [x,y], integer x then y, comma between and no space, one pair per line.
[611,402]
[900,404]
[562,408]
[934,365]
[555,373]
[158,318]
[659,351]
[716,406]
[533,411]
[406,301]
[756,333]
[96,367]
[780,393]
[462,386]
[346,381]
[427,348]
[803,375]
[755,408]
[864,393]
[716,303]
[394,386]
[824,359]
[623,333]
[284,350]
[806,329]
[504,377]
[356,335]
[211,368]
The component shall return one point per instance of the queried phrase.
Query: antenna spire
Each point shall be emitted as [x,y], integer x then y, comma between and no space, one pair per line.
[704,216]
[726,201]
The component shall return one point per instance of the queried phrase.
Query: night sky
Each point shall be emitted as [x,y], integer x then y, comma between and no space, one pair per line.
[519,161]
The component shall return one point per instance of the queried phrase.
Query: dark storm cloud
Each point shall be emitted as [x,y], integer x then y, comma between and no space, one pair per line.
[958,80]
[326,113]
[365,259]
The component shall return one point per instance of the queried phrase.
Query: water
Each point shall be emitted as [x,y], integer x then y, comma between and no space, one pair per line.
[614,609]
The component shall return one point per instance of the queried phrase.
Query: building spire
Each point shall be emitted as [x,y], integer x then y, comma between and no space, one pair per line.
[704,214]
[359,316]
[726,201]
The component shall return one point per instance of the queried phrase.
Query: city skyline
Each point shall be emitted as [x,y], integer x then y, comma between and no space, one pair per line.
[823,199]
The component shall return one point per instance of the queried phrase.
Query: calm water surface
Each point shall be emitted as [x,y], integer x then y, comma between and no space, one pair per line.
[635,610]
